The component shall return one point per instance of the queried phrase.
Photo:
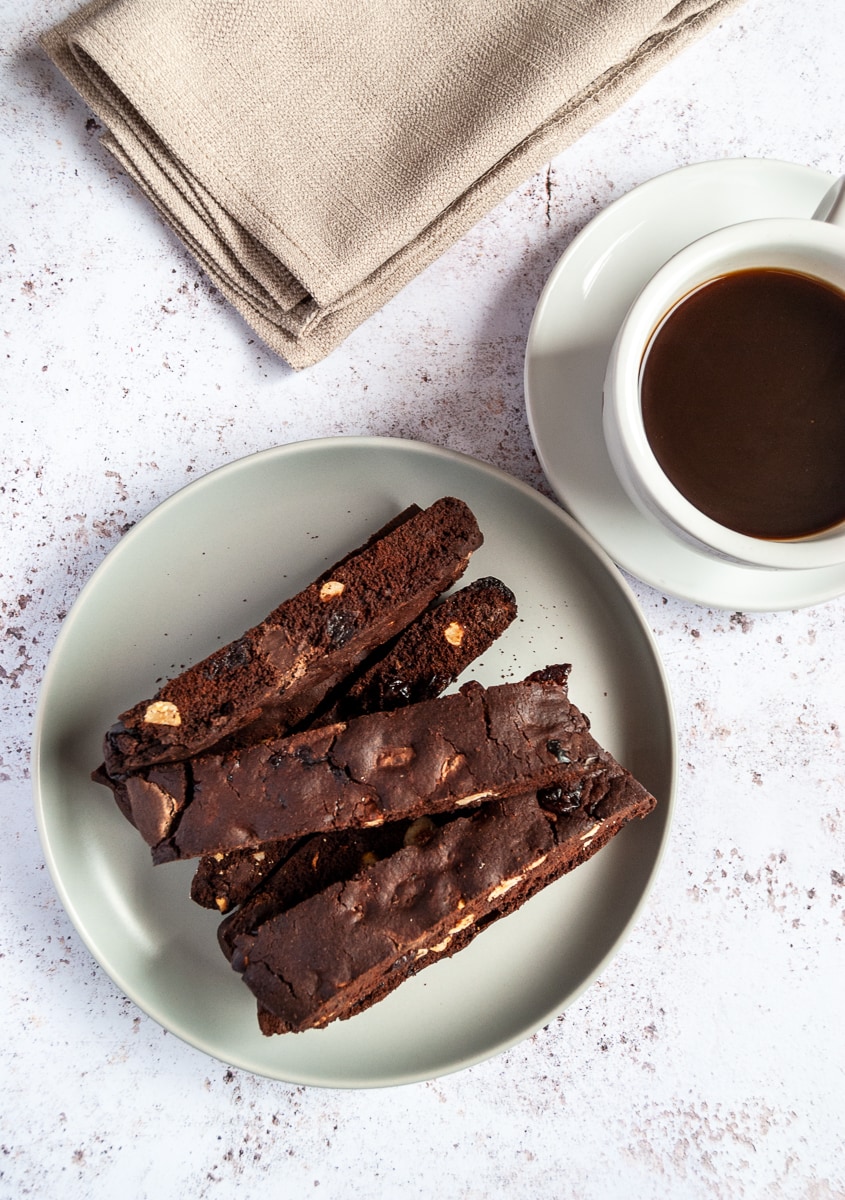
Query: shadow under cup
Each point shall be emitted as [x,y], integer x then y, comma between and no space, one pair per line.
[724,398]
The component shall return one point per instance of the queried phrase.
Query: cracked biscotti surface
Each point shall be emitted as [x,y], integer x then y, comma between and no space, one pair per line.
[316,862]
[305,646]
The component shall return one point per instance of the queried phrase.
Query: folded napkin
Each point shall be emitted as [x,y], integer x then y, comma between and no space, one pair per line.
[315,155]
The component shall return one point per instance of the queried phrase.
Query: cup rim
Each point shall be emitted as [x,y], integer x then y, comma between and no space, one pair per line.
[641,474]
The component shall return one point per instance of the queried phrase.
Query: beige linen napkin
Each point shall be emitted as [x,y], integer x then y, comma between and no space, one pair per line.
[315,155]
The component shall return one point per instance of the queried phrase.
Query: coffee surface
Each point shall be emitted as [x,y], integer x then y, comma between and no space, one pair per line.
[743,402]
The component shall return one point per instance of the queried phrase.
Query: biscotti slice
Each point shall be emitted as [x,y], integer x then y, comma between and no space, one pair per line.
[341,950]
[419,665]
[438,755]
[430,654]
[304,646]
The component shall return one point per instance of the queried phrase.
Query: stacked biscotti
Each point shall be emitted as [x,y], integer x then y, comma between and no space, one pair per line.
[352,821]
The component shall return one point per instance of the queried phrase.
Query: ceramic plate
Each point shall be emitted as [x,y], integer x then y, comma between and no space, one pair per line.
[577,318]
[212,561]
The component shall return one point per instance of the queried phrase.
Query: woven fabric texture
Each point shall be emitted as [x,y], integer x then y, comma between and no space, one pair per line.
[315,156]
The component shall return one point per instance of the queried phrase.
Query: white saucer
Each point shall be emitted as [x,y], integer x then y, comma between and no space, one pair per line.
[579,313]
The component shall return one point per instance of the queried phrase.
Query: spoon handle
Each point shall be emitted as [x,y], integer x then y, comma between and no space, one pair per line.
[832,206]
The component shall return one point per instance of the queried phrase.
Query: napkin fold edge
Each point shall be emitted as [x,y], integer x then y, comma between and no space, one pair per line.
[322,329]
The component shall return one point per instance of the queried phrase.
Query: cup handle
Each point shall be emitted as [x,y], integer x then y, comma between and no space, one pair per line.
[832,206]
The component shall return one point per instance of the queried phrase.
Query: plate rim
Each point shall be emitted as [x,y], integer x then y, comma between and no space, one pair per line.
[65,634]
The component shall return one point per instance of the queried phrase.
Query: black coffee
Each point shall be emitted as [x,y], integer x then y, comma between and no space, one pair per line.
[743,401]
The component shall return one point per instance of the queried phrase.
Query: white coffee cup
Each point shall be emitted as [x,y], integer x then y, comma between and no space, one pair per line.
[813,247]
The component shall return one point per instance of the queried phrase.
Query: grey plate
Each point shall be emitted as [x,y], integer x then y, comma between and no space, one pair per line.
[213,560]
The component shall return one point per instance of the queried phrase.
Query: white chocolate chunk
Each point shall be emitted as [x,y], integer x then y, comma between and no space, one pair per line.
[503,887]
[473,799]
[462,924]
[454,633]
[396,756]
[163,712]
[450,765]
[418,831]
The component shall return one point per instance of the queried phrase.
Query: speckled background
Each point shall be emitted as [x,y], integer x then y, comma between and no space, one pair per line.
[708,1061]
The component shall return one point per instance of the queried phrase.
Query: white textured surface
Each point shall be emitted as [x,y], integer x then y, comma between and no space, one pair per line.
[709,1060]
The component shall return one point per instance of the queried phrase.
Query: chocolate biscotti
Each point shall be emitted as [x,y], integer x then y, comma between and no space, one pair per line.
[353,822]
[418,665]
[305,646]
[316,862]
[340,950]
[431,653]
[434,756]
